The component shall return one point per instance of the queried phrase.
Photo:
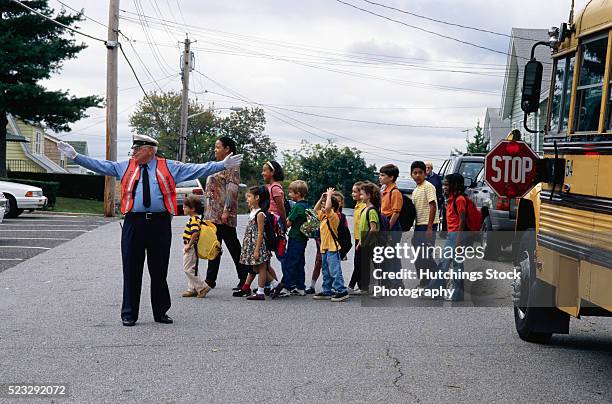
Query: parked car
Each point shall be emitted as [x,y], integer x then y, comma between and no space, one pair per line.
[186,188]
[499,217]
[469,166]
[406,185]
[2,206]
[20,197]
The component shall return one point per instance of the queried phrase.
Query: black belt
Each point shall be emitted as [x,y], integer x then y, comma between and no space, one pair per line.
[147,215]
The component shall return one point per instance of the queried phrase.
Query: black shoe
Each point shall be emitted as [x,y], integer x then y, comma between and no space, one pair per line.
[165,319]
[212,284]
[241,293]
[277,290]
[238,287]
[128,323]
[267,291]
[310,291]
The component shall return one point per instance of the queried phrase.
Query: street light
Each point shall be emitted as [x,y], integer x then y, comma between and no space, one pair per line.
[235,109]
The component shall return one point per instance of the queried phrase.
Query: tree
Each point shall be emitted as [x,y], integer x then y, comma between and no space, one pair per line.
[32,49]
[160,119]
[328,165]
[479,144]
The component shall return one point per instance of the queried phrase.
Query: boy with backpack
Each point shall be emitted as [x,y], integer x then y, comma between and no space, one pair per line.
[327,209]
[425,202]
[294,261]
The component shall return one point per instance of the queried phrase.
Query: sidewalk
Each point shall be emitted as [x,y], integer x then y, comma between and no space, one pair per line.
[61,324]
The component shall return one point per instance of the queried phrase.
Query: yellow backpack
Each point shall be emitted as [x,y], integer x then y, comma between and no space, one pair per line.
[209,247]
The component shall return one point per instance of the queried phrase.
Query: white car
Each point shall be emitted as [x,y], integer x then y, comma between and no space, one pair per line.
[2,206]
[186,188]
[20,197]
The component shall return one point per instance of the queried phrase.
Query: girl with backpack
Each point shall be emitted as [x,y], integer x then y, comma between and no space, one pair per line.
[459,213]
[255,250]
[369,232]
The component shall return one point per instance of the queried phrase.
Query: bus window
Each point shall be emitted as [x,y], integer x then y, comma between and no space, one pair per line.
[589,89]
[564,74]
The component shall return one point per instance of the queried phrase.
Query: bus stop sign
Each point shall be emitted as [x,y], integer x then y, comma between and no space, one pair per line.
[510,168]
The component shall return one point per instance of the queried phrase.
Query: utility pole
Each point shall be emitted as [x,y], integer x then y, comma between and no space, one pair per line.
[186,69]
[111,103]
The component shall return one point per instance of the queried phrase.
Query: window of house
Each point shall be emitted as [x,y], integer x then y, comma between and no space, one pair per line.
[590,84]
[38,143]
[564,75]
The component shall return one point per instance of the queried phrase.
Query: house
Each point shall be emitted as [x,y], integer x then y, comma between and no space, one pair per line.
[30,149]
[519,53]
[494,127]
[81,148]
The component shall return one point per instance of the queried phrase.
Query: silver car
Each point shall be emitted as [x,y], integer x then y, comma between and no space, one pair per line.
[186,188]
[2,206]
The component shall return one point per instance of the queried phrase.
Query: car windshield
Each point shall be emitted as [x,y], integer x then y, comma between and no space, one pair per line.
[188,184]
[406,183]
[470,169]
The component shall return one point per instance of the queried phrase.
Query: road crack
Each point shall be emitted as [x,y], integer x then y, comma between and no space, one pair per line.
[397,365]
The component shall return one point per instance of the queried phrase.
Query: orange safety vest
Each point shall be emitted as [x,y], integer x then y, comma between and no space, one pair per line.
[130,179]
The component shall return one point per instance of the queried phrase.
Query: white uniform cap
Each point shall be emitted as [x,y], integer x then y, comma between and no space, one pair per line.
[144,140]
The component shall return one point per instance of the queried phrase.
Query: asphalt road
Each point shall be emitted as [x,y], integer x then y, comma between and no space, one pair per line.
[61,324]
[34,233]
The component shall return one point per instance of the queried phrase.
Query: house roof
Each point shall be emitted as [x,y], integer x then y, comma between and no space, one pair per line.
[11,137]
[519,53]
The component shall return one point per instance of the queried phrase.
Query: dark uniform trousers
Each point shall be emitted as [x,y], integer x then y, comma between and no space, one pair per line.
[150,235]
[228,235]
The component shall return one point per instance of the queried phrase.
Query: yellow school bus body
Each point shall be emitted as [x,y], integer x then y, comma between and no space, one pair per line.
[574,228]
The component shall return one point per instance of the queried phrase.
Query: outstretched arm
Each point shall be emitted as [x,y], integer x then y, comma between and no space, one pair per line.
[191,171]
[104,167]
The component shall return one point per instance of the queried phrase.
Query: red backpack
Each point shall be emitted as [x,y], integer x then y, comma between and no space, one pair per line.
[473,217]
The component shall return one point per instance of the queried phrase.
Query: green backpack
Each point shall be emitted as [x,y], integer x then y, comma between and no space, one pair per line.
[310,228]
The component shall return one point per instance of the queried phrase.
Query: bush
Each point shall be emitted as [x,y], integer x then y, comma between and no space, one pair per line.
[79,186]
[50,189]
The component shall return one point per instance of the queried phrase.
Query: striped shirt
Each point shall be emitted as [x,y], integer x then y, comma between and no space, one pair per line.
[422,196]
[192,227]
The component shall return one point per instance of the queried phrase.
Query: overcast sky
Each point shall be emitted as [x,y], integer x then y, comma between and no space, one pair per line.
[293,54]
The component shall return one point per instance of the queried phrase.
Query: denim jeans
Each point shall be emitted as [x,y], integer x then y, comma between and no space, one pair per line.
[444,265]
[422,263]
[293,264]
[332,273]
[393,264]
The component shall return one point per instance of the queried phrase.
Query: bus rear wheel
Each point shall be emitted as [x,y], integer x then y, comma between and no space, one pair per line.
[535,316]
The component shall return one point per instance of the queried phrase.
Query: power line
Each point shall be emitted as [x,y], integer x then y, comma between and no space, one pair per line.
[83,14]
[448,22]
[425,30]
[76,31]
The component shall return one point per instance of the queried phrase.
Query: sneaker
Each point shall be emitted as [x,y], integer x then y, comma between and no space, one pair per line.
[283,293]
[202,293]
[340,297]
[277,291]
[242,293]
[298,292]
[238,287]
[321,296]
[310,291]
[355,292]
[189,293]
[257,296]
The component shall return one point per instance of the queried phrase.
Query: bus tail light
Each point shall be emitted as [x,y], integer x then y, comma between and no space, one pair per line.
[197,191]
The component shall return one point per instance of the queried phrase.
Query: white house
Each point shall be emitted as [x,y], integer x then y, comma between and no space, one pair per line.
[494,127]
[519,53]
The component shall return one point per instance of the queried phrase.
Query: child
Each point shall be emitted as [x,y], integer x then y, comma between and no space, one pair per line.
[425,201]
[255,252]
[330,255]
[294,260]
[359,206]
[196,287]
[391,204]
[369,226]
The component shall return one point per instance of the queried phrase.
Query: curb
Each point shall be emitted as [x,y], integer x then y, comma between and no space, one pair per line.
[52,213]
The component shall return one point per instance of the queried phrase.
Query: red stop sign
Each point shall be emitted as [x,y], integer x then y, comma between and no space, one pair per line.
[510,168]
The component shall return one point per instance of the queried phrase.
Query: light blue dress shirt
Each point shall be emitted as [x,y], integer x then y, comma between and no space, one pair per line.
[180,172]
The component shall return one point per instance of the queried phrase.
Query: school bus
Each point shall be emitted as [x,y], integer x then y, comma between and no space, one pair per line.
[564,224]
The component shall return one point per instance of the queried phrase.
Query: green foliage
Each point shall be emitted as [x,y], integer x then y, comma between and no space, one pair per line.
[323,166]
[70,185]
[479,144]
[246,126]
[33,49]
